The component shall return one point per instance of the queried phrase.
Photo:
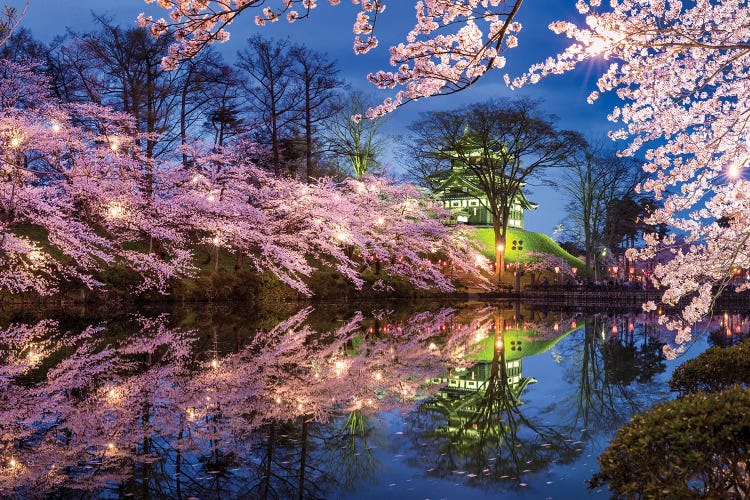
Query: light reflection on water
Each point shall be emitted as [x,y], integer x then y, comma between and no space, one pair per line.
[418,401]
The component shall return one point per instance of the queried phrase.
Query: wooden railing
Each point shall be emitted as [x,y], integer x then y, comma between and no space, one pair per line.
[608,296]
[593,296]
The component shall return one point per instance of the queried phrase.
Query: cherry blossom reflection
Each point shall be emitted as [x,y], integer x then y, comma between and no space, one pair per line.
[162,409]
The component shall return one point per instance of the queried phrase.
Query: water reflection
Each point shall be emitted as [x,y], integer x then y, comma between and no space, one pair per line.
[476,426]
[211,404]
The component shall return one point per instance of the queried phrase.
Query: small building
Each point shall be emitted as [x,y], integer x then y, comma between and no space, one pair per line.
[459,192]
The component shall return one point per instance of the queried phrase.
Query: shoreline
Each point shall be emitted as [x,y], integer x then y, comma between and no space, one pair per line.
[556,296]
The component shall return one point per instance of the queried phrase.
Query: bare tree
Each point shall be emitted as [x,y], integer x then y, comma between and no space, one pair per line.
[21,45]
[224,119]
[121,68]
[425,171]
[354,141]
[10,18]
[318,79]
[595,178]
[202,90]
[500,144]
[271,89]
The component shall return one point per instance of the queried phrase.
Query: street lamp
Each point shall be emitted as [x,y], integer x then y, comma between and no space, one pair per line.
[500,247]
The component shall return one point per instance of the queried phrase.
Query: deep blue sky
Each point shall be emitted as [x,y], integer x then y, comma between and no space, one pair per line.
[329,30]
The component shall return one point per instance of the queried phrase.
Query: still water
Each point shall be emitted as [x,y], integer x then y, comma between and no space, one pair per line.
[425,400]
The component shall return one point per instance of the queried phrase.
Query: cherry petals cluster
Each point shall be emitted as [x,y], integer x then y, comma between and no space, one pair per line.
[451,45]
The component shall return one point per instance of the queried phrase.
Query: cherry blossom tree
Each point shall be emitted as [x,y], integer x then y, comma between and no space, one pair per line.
[280,224]
[452,44]
[680,71]
[540,262]
[70,195]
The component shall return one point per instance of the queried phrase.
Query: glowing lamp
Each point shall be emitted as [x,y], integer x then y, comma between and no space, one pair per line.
[115,210]
[35,256]
[733,171]
[596,47]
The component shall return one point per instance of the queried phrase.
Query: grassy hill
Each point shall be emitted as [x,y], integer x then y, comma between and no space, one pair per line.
[532,242]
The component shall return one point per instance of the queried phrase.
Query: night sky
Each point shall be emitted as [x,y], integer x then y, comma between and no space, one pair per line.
[329,30]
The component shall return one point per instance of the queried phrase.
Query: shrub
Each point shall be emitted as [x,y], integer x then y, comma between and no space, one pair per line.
[714,370]
[692,447]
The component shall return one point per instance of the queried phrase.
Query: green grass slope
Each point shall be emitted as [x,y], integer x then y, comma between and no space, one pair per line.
[532,242]
[531,347]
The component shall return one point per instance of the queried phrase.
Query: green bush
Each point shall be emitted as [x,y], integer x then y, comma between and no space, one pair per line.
[692,447]
[714,370]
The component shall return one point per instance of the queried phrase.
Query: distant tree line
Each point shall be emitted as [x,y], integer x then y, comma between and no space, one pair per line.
[283,95]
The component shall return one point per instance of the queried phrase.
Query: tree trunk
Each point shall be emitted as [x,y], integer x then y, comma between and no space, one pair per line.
[499,251]
[308,133]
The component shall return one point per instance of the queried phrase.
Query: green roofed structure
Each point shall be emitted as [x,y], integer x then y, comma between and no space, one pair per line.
[478,403]
[460,192]
[517,344]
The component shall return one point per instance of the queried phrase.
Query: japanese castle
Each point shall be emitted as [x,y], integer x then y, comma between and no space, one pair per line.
[458,190]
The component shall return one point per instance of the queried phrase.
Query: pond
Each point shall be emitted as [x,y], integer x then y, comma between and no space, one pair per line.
[420,400]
